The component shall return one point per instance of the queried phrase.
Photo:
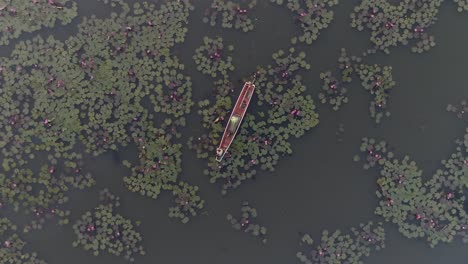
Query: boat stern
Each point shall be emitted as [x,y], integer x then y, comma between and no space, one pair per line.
[220,154]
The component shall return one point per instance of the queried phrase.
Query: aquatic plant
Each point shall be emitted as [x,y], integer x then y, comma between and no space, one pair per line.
[211,58]
[104,230]
[247,222]
[343,248]
[12,247]
[461,110]
[397,24]
[434,209]
[232,15]
[462,5]
[311,15]
[96,90]
[333,92]
[187,202]
[60,78]
[375,153]
[20,16]
[42,195]
[159,164]
[158,168]
[375,79]
[283,111]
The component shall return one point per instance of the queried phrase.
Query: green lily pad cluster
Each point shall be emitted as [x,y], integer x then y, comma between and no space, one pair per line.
[247,222]
[57,81]
[337,247]
[158,165]
[12,247]
[212,58]
[20,16]
[282,112]
[376,79]
[374,153]
[95,90]
[42,195]
[187,202]
[460,110]
[131,60]
[232,15]
[312,16]
[462,5]
[434,209]
[397,24]
[333,91]
[105,230]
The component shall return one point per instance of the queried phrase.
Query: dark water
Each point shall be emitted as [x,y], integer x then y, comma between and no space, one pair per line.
[319,186]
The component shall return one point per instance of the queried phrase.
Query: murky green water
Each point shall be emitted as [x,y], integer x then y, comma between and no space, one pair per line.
[319,186]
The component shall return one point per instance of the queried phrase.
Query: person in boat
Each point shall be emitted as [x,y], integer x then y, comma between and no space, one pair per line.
[232,128]
[244,104]
[233,124]
[219,152]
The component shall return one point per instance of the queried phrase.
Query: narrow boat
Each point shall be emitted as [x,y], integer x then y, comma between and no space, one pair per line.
[235,119]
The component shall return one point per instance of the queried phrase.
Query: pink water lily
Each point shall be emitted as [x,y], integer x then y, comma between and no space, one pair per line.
[13,11]
[90,228]
[295,112]
[7,244]
[55,4]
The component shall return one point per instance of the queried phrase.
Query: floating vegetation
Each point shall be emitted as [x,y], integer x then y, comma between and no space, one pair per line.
[104,230]
[247,222]
[311,15]
[20,16]
[333,92]
[376,79]
[187,202]
[434,209]
[397,24]
[461,110]
[93,90]
[212,59]
[283,112]
[42,195]
[232,15]
[12,246]
[343,248]
[462,5]
[375,153]
[158,168]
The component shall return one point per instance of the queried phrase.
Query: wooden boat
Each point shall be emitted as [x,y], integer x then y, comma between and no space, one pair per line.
[235,119]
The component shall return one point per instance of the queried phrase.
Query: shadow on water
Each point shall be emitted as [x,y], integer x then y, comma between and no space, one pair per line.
[319,186]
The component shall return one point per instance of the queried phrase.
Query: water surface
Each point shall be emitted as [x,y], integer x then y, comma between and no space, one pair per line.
[319,186]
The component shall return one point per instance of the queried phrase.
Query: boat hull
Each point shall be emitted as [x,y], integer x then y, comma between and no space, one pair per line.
[235,120]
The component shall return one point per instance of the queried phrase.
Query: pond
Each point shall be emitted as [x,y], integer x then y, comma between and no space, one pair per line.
[110,129]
